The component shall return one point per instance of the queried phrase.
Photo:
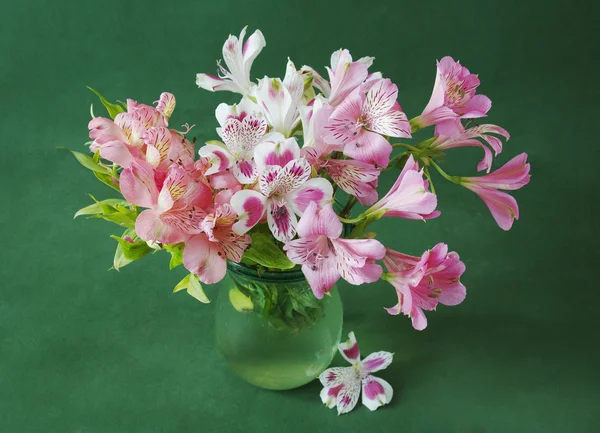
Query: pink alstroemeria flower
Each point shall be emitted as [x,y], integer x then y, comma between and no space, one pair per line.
[239,60]
[409,197]
[345,75]
[361,120]
[205,254]
[511,176]
[357,178]
[423,282]
[342,385]
[240,138]
[325,257]
[285,190]
[454,95]
[141,134]
[175,203]
[451,134]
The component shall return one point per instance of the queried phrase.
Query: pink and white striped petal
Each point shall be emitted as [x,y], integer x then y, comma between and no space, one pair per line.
[329,395]
[282,221]
[335,376]
[349,349]
[219,158]
[250,207]
[376,392]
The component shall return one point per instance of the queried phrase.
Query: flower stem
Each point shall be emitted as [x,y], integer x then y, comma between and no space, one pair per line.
[453,179]
[426,170]
[406,146]
[352,220]
[348,207]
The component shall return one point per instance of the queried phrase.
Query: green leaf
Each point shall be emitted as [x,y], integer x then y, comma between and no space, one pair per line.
[176,251]
[240,302]
[87,161]
[194,288]
[113,109]
[119,260]
[107,179]
[118,214]
[135,250]
[265,252]
[97,207]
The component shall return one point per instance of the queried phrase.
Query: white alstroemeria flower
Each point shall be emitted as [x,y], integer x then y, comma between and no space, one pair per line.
[342,385]
[280,100]
[238,59]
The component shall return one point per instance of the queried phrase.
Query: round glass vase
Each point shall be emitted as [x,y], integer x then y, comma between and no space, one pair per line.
[271,329]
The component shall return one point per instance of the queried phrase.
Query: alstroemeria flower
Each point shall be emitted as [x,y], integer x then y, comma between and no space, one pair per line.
[451,134]
[342,385]
[409,197]
[345,75]
[357,178]
[240,138]
[361,120]
[175,203]
[285,190]
[279,100]
[325,257]
[454,95]
[205,254]
[239,60]
[423,282]
[141,134]
[511,176]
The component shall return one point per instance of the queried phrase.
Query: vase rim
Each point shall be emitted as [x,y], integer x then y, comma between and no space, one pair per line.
[283,275]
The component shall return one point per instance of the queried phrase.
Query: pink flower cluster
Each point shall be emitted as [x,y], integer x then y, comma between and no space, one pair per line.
[261,172]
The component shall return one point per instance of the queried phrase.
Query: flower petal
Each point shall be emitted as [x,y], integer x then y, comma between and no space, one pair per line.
[376,361]
[348,396]
[335,376]
[318,190]
[205,259]
[220,159]
[166,104]
[282,221]
[138,185]
[250,206]
[322,221]
[245,171]
[213,83]
[322,275]
[329,395]
[376,392]
[349,349]
[369,147]
[279,151]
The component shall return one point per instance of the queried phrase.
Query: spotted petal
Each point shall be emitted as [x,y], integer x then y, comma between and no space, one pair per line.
[282,221]
[348,396]
[376,392]
[369,147]
[280,181]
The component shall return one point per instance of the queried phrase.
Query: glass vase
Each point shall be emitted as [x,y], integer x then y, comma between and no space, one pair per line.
[271,329]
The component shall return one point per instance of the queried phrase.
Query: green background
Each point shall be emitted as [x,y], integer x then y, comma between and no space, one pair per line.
[87,350]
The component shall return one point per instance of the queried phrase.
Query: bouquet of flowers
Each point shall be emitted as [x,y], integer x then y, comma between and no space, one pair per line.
[263,191]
